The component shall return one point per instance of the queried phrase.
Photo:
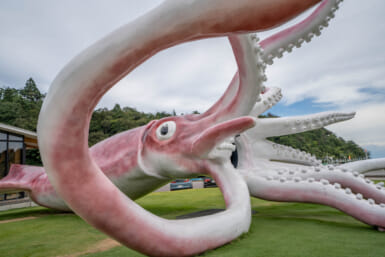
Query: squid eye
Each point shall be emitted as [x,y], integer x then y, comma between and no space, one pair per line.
[166,130]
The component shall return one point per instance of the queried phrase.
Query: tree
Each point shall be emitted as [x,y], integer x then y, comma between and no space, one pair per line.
[9,94]
[31,92]
[21,108]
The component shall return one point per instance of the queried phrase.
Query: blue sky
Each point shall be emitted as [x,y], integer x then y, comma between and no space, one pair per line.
[342,70]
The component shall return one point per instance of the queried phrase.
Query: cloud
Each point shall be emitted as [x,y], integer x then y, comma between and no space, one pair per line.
[187,77]
[367,128]
[343,69]
[39,37]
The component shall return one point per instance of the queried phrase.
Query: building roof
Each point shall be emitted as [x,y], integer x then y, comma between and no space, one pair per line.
[30,137]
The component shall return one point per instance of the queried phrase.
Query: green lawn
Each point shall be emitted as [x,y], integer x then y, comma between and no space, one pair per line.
[278,229]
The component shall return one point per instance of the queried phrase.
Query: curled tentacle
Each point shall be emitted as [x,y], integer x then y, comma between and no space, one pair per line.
[284,41]
[246,86]
[112,153]
[296,189]
[66,112]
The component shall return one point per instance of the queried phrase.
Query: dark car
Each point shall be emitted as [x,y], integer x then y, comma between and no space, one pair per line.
[181,184]
[209,182]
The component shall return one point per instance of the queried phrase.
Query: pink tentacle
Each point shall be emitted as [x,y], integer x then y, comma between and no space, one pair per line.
[295,36]
[353,180]
[223,102]
[247,83]
[276,45]
[244,89]
[321,192]
[66,112]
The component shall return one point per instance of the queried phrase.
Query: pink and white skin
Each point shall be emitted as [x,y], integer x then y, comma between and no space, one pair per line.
[280,173]
[118,156]
[140,160]
[167,148]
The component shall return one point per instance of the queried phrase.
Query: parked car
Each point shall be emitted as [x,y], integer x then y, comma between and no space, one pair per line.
[209,182]
[181,184]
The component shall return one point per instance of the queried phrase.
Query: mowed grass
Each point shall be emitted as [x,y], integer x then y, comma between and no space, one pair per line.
[278,229]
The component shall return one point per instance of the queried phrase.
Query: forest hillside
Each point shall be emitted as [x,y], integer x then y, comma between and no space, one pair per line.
[20,107]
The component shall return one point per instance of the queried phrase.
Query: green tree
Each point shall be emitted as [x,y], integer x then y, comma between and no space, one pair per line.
[31,92]
[21,108]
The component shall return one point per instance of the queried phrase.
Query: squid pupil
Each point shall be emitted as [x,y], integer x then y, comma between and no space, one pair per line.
[164,130]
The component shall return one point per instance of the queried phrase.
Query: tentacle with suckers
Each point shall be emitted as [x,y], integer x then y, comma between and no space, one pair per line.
[294,36]
[353,180]
[298,124]
[253,146]
[269,98]
[274,152]
[297,189]
[173,146]
[246,85]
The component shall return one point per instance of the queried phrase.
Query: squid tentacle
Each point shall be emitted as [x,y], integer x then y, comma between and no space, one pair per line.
[290,154]
[251,74]
[246,48]
[251,142]
[309,190]
[64,122]
[298,124]
[246,85]
[353,180]
[268,99]
[294,36]
[364,166]
[265,150]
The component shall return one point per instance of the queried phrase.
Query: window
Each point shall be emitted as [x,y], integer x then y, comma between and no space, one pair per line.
[3,159]
[15,153]
[15,138]
[12,151]
[3,136]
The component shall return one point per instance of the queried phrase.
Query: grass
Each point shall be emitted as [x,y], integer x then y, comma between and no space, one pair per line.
[278,229]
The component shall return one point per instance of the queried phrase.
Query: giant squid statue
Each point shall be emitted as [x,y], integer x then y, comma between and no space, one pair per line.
[134,163]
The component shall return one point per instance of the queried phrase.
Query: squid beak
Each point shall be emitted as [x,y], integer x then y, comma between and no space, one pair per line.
[212,137]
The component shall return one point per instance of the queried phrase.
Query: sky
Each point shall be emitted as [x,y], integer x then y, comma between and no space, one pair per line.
[342,70]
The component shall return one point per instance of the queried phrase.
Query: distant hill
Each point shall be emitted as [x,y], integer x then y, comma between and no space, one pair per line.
[322,143]
[20,107]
